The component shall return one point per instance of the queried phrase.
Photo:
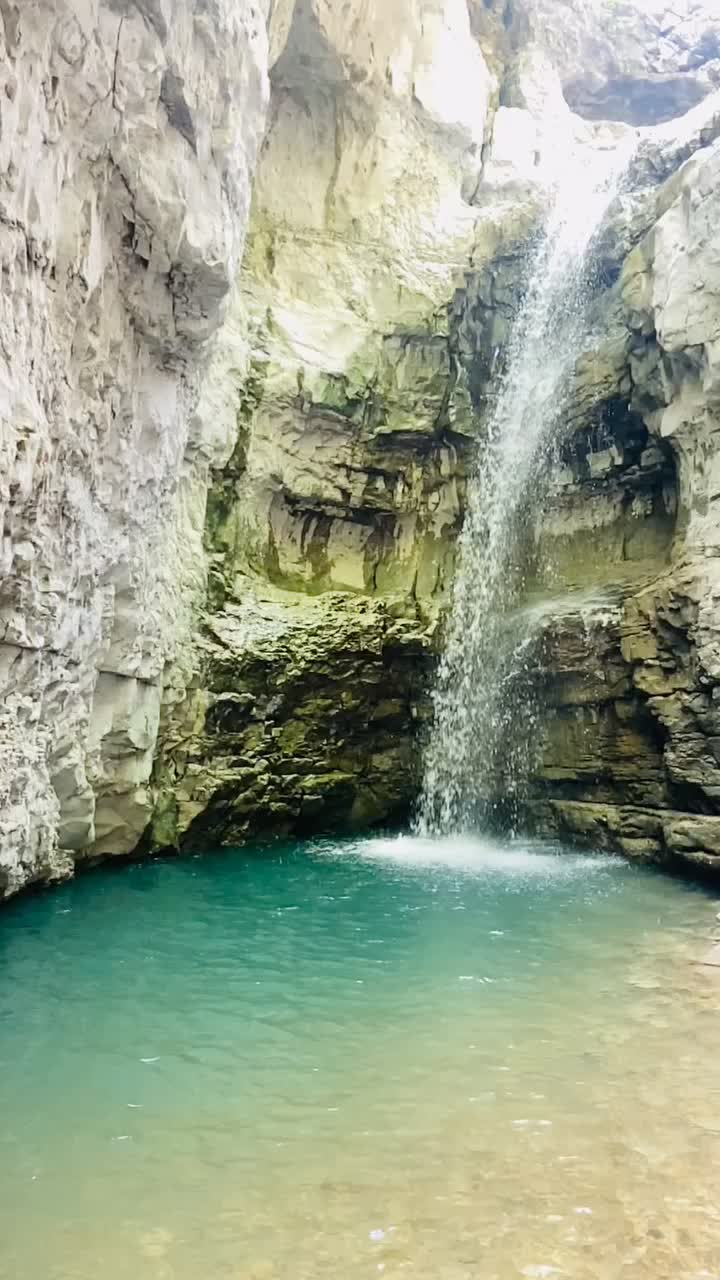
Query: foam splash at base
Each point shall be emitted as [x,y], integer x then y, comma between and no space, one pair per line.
[478,855]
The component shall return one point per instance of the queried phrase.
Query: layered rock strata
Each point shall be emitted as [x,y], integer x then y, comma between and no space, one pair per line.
[631,758]
[341,503]
[128,137]
[231,496]
[306,717]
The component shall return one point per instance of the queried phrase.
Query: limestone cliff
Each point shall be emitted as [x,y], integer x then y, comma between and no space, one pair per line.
[371,311]
[632,760]
[231,493]
[345,478]
[128,137]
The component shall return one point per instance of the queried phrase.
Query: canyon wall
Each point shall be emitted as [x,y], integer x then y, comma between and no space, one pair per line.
[128,138]
[631,759]
[336,517]
[371,313]
[231,492]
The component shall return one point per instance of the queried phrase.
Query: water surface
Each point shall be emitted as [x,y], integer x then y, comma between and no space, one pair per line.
[441,1060]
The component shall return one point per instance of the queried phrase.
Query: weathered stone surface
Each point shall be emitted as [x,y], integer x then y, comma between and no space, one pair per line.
[180,437]
[663,632]
[662,836]
[305,717]
[366,331]
[127,141]
[621,60]
[349,477]
[338,366]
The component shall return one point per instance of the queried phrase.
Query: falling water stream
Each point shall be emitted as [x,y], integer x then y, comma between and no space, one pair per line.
[484,714]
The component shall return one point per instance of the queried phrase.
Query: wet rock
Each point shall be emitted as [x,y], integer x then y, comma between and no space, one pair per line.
[307,719]
[184,436]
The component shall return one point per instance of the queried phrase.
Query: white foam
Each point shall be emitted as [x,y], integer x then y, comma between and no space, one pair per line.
[474,854]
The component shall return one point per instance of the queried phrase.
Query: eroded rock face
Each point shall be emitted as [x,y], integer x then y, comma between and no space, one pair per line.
[231,495]
[640,63]
[380,119]
[633,761]
[348,473]
[372,310]
[306,717]
[127,142]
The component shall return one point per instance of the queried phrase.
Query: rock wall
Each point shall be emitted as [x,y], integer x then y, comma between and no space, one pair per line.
[640,63]
[128,137]
[231,494]
[376,293]
[346,480]
[631,758]
[305,719]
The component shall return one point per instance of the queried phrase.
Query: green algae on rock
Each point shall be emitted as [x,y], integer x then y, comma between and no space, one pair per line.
[307,418]
[306,717]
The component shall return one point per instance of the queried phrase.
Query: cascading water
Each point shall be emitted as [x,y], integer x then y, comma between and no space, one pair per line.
[484,712]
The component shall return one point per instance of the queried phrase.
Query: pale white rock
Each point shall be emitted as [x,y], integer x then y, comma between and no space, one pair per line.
[385,259]
[362,228]
[638,61]
[671,286]
[127,143]
[317,391]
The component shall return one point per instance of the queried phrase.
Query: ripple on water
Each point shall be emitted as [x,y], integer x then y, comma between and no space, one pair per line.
[440,1058]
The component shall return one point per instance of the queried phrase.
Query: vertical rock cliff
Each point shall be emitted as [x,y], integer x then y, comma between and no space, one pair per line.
[631,759]
[333,523]
[385,260]
[128,138]
[232,485]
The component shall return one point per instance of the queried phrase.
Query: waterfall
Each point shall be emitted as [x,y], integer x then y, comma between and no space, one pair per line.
[484,723]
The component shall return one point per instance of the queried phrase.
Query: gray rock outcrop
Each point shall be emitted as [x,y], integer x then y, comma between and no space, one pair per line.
[195,436]
[631,758]
[129,135]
